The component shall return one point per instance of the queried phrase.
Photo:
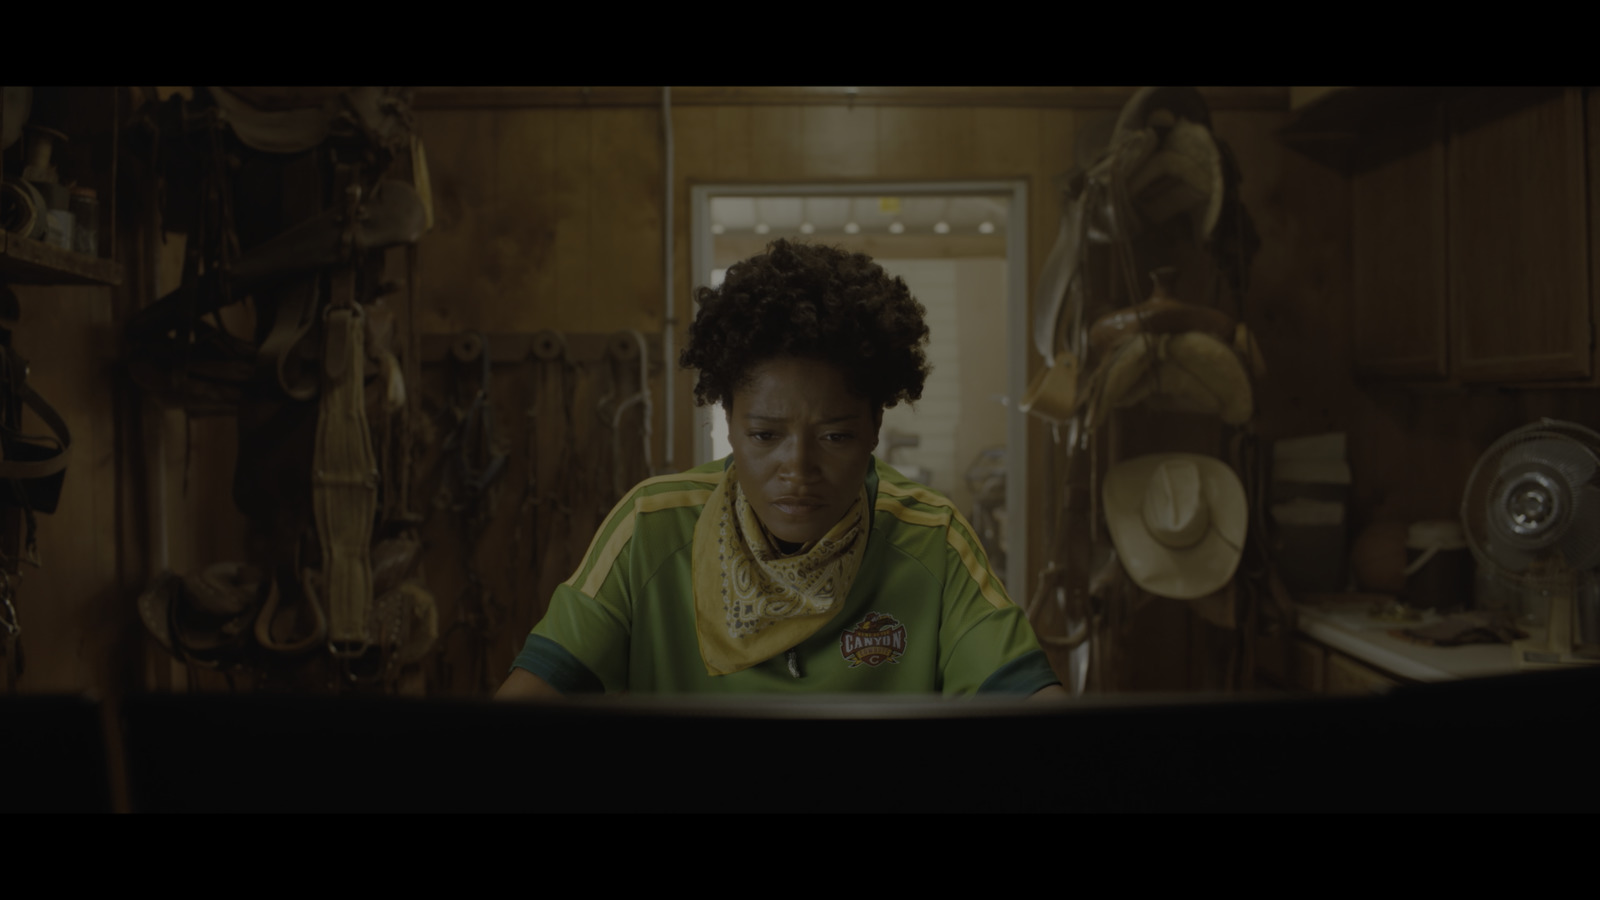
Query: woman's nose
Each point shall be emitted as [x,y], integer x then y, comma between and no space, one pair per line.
[798,461]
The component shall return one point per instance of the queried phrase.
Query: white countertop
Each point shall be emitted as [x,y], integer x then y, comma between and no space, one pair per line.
[1345,626]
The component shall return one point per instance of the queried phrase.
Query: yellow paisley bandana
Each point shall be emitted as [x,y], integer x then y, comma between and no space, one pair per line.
[752,603]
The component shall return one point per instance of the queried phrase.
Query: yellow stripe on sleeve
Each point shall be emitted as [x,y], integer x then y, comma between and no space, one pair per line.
[957,537]
[608,556]
[978,571]
[921,495]
[912,516]
[598,566]
[673,500]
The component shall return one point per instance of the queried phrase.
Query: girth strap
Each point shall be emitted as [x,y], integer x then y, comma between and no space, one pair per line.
[62,439]
[345,486]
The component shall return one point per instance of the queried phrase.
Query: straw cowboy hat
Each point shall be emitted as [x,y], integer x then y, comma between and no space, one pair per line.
[1178,521]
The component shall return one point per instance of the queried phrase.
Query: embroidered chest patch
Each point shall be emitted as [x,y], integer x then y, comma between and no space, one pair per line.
[875,640]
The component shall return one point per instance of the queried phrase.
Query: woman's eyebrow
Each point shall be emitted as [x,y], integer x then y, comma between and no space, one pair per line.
[781,419]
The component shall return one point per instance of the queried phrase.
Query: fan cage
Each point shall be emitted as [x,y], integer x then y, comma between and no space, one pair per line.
[1508,567]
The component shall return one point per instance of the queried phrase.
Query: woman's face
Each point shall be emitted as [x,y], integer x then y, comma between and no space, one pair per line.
[801,446]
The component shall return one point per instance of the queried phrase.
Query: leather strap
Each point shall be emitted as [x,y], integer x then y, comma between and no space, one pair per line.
[42,468]
[1058,279]
[295,314]
[269,610]
[345,483]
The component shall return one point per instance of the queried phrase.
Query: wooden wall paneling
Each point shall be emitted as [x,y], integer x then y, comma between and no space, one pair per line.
[574,207]
[776,146]
[522,220]
[733,132]
[1298,300]
[213,447]
[1519,243]
[924,143]
[708,144]
[460,148]
[626,236]
[699,144]
[1581,406]
[1411,451]
[1005,143]
[627,200]
[1400,264]
[840,142]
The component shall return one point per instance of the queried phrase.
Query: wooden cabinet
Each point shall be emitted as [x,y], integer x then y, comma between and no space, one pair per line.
[1400,271]
[1471,244]
[1316,669]
[1343,676]
[1519,282]
[1306,660]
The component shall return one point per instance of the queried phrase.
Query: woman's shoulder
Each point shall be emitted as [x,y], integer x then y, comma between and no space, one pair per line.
[687,489]
[896,494]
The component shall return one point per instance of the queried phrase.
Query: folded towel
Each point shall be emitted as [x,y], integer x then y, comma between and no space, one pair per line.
[1464,628]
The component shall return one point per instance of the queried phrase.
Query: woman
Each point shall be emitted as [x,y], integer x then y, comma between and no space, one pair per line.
[800,564]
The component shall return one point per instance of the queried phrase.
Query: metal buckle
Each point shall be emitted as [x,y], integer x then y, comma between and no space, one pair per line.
[360,650]
[8,622]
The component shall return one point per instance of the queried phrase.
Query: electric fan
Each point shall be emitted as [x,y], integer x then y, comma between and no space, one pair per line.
[1531,511]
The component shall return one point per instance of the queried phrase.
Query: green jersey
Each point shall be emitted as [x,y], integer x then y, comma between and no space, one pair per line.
[925,613]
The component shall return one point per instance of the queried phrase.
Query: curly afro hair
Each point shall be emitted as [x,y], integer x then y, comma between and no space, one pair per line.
[815,302]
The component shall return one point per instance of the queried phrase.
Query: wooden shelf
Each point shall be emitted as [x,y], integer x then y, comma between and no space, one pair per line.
[26,261]
[1331,128]
[1335,128]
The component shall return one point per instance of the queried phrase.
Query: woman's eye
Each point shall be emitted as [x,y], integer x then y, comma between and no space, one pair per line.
[837,438]
[761,435]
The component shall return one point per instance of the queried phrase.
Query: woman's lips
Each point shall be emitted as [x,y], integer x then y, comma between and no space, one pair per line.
[798,507]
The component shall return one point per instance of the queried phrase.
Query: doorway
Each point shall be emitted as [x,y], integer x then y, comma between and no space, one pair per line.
[961,248]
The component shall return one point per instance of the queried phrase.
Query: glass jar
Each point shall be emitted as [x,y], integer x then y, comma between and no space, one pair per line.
[1438,567]
[86,221]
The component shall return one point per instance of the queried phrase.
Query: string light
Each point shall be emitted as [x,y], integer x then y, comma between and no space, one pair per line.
[716,228]
[896,227]
[986,228]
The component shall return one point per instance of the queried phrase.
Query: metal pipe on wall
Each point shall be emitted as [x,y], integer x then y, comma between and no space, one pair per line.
[668,320]
[155,421]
